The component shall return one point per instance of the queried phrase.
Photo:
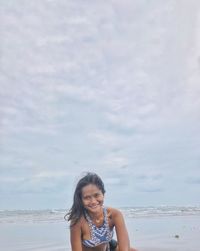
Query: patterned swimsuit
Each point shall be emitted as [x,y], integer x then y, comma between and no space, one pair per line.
[99,235]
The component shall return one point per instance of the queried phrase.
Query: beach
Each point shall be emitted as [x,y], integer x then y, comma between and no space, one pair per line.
[47,230]
[170,233]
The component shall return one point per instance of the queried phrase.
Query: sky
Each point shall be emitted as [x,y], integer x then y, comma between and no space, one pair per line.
[109,86]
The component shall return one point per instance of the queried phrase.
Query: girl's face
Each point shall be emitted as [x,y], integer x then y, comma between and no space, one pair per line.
[92,198]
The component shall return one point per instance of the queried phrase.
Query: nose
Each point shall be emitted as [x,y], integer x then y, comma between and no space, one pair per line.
[93,200]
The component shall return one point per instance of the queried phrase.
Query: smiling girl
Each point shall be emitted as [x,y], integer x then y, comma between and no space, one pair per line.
[91,223]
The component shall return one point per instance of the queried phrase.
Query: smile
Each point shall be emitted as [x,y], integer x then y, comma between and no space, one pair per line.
[94,206]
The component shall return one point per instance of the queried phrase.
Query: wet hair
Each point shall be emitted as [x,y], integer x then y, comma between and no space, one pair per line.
[77,209]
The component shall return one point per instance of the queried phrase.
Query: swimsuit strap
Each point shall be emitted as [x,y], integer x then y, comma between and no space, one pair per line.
[106,218]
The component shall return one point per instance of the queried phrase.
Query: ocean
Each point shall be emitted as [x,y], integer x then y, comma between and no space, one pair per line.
[57,215]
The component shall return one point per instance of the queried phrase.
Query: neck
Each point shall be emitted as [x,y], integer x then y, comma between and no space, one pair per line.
[97,216]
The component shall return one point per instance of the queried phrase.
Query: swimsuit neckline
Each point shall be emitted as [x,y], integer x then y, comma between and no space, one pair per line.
[90,222]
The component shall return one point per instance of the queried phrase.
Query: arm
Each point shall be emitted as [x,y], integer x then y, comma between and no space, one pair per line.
[75,237]
[121,231]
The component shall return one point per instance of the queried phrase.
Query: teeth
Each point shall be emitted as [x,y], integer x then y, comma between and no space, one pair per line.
[94,206]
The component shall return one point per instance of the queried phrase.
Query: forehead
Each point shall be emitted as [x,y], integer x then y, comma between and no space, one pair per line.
[90,189]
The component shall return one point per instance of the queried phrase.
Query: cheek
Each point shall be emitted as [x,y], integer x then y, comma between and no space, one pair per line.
[101,199]
[84,202]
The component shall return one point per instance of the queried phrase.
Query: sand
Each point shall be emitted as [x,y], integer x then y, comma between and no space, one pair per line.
[174,233]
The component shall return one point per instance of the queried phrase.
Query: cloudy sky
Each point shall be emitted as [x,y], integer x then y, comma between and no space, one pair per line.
[107,86]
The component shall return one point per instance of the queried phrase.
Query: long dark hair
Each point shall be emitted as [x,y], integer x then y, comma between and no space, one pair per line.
[77,209]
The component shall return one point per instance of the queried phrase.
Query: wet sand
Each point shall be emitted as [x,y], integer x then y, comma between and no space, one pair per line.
[173,233]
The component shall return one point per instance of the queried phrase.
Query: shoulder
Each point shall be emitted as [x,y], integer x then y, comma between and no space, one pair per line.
[77,224]
[114,213]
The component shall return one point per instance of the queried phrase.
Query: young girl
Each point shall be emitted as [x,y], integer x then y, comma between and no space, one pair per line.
[91,223]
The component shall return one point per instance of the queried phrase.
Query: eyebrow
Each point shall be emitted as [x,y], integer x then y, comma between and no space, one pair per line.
[89,195]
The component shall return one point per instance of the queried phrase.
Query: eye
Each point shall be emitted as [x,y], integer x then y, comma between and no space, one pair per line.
[96,195]
[86,197]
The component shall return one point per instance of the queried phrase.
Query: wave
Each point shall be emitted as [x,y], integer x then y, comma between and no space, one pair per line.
[57,215]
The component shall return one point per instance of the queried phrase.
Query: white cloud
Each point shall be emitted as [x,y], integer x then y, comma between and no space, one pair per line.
[108,86]
[106,138]
[51,174]
[112,181]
